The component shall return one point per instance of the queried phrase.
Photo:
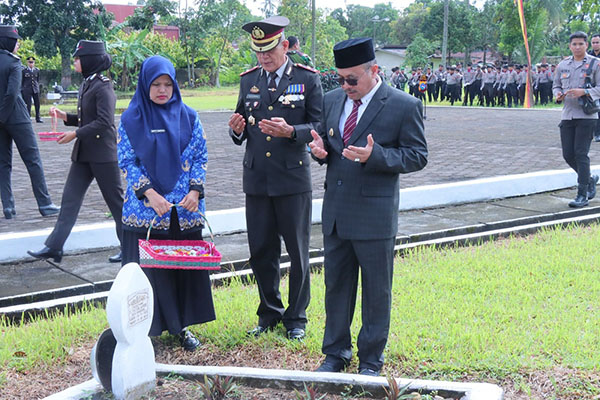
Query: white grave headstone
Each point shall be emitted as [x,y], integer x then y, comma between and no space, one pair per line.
[129,309]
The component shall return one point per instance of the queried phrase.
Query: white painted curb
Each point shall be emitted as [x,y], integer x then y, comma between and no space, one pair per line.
[289,378]
[14,245]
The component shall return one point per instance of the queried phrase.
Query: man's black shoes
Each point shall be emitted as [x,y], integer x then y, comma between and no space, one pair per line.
[333,364]
[47,253]
[259,330]
[296,334]
[368,372]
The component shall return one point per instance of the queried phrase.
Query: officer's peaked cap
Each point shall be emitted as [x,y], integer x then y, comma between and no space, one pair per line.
[266,34]
[353,52]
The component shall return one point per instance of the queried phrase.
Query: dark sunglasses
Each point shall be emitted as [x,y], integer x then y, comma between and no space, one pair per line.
[350,81]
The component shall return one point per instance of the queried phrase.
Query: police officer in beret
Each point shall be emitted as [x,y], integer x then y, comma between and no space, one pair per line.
[30,87]
[279,103]
[95,151]
[15,125]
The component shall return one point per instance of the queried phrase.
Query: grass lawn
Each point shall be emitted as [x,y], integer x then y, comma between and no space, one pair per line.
[204,99]
[523,313]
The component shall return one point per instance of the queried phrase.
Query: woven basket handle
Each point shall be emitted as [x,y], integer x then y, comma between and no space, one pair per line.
[204,220]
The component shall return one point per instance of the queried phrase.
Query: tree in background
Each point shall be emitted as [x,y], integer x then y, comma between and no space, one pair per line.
[145,17]
[419,51]
[461,29]
[411,22]
[329,32]
[511,37]
[56,26]
[358,20]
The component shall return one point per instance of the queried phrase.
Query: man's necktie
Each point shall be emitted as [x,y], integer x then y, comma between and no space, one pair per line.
[272,84]
[351,122]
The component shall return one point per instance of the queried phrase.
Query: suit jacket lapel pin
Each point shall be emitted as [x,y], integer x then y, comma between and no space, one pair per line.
[251,120]
[254,89]
[330,131]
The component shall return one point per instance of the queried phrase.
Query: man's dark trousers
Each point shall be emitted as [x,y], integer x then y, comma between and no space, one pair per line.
[25,140]
[342,261]
[576,138]
[267,218]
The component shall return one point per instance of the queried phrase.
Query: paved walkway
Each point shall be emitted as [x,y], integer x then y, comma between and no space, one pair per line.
[464,143]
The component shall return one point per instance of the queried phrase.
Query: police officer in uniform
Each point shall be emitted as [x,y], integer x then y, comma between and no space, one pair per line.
[31,87]
[295,54]
[95,151]
[595,52]
[577,127]
[15,125]
[278,105]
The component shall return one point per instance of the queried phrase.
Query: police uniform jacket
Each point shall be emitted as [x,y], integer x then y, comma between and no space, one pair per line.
[12,106]
[96,136]
[31,80]
[570,74]
[278,166]
[361,199]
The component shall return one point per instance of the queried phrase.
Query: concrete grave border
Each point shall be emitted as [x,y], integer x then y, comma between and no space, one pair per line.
[286,379]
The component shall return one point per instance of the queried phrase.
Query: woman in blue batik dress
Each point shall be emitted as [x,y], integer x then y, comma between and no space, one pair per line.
[162,155]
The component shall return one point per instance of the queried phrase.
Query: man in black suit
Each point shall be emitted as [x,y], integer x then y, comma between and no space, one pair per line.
[370,133]
[278,105]
[30,87]
[15,126]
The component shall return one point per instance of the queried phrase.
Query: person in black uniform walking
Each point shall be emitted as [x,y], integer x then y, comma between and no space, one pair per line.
[15,125]
[95,151]
[30,87]
[279,103]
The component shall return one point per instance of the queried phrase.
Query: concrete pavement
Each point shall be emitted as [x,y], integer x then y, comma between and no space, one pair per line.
[464,143]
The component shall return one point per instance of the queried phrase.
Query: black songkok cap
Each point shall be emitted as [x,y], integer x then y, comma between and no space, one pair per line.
[266,34]
[9,31]
[89,48]
[353,52]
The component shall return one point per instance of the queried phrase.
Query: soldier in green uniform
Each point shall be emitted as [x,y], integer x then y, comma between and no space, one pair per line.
[295,54]
[278,105]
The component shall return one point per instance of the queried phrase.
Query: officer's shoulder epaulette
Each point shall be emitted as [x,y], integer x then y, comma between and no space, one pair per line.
[103,78]
[249,70]
[306,67]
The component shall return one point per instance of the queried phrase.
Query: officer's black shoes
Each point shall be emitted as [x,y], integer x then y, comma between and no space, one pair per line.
[49,210]
[333,364]
[187,340]
[368,372]
[47,253]
[581,200]
[9,213]
[39,121]
[296,334]
[116,258]
[591,191]
[259,330]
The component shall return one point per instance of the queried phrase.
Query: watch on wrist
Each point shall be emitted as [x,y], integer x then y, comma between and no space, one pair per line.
[293,135]
[587,92]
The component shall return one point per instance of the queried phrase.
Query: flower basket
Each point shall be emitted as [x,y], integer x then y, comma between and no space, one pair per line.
[179,254]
